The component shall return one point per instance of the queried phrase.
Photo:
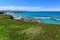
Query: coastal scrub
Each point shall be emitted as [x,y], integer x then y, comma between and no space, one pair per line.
[11,29]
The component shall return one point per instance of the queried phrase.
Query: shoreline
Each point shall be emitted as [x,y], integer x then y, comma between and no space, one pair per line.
[40,20]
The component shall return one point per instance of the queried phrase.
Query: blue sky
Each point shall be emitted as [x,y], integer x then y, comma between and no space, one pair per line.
[30,5]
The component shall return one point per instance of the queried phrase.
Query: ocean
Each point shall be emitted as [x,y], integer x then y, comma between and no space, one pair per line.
[48,17]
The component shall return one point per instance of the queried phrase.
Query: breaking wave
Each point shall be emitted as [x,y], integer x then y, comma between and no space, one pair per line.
[42,17]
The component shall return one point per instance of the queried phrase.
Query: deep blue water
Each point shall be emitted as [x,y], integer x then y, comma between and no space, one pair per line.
[52,17]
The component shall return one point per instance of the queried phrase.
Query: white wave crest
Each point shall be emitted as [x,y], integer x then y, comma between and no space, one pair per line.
[42,17]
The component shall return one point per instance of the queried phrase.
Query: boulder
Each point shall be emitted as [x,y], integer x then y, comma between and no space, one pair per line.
[35,20]
[27,20]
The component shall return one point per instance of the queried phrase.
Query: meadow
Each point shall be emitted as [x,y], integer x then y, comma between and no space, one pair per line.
[11,29]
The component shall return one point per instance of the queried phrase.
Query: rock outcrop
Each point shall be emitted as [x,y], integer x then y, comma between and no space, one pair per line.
[1,12]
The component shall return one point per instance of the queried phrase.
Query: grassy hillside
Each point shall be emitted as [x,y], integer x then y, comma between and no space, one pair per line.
[19,30]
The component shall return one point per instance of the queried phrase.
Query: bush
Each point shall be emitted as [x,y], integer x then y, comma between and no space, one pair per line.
[6,17]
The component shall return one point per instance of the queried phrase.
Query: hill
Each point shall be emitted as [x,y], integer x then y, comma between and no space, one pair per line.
[11,29]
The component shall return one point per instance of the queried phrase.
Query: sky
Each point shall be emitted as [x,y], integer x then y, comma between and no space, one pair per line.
[30,5]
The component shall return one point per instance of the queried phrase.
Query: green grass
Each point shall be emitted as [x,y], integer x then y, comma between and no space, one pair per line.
[11,29]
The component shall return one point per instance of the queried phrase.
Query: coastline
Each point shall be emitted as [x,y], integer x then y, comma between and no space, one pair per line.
[38,16]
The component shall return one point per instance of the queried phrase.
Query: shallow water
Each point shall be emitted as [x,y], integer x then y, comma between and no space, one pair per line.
[52,17]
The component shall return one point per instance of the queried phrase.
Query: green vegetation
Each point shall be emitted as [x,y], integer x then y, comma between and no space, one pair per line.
[11,29]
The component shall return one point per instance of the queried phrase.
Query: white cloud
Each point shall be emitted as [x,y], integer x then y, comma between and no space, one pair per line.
[25,8]
[6,8]
[20,8]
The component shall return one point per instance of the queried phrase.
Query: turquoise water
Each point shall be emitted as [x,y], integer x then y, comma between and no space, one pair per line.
[46,17]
